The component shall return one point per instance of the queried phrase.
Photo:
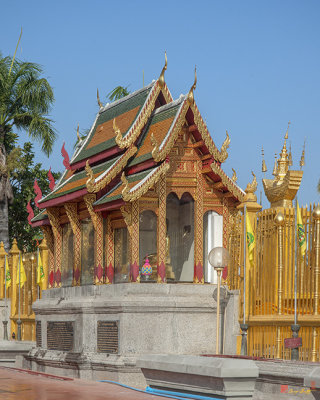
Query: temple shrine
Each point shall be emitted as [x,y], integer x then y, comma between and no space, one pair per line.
[145,187]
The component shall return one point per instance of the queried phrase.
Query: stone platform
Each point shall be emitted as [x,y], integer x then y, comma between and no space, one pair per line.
[98,332]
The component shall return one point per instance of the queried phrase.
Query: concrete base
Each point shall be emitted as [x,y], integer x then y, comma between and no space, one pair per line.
[11,352]
[283,380]
[152,318]
[227,378]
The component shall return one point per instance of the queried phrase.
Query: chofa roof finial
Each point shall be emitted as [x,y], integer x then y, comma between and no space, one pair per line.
[190,97]
[78,134]
[161,77]
[98,99]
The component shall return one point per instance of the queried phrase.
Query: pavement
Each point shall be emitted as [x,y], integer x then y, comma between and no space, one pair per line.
[28,385]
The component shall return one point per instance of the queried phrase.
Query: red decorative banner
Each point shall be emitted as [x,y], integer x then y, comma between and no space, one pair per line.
[51,179]
[30,212]
[162,271]
[65,155]
[199,271]
[37,191]
[110,273]
[134,272]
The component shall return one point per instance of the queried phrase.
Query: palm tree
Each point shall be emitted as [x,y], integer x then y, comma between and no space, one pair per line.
[118,92]
[25,100]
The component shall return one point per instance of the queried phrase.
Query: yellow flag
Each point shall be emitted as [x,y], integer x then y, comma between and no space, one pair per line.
[301,232]
[23,277]
[40,272]
[8,275]
[251,242]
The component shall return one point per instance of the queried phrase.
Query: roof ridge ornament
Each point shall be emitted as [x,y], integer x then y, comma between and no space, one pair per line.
[234,176]
[126,189]
[225,145]
[98,99]
[90,181]
[190,97]
[78,134]
[118,134]
[161,80]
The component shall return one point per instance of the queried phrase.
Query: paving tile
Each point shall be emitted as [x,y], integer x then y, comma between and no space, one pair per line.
[22,385]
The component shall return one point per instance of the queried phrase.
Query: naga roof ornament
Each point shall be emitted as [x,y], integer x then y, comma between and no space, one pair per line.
[190,97]
[98,99]
[225,145]
[161,77]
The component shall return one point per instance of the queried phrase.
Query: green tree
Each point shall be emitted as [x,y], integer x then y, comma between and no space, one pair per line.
[22,179]
[118,92]
[25,101]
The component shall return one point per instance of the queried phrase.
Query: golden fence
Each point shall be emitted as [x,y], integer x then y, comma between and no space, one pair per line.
[270,281]
[29,292]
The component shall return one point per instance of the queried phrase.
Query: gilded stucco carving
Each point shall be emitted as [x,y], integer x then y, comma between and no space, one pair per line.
[135,194]
[228,183]
[94,187]
[89,199]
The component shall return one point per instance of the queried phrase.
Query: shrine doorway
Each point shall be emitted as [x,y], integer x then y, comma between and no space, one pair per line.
[212,237]
[180,236]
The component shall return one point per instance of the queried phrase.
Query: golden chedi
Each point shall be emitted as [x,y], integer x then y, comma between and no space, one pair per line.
[281,190]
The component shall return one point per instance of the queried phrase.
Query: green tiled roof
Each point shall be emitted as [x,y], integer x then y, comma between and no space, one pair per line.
[115,109]
[77,177]
[42,215]
[161,114]
[131,178]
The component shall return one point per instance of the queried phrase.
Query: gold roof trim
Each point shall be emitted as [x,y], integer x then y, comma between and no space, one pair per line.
[221,155]
[159,155]
[94,186]
[143,117]
[141,188]
[228,183]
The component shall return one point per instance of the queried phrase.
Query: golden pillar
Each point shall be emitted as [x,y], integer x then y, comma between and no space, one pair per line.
[2,276]
[316,217]
[53,214]
[109,273]
[71,211]
[44,251]
[198,276]
[14,252]
[47,231]
[97,221]
[162,230]
[252,207]
[134,239]
[279,221]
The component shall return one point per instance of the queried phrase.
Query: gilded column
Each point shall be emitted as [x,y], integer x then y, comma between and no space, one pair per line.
[109,269]
[53,215]
[44,251]
[316,217]
[97,221]
[162,230]
[2,277]
[134,236]
[71,211]
[279,220]
[49,264]
[14,252]
[198,248]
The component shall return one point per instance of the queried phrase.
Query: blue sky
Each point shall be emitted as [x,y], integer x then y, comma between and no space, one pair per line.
[258,66]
